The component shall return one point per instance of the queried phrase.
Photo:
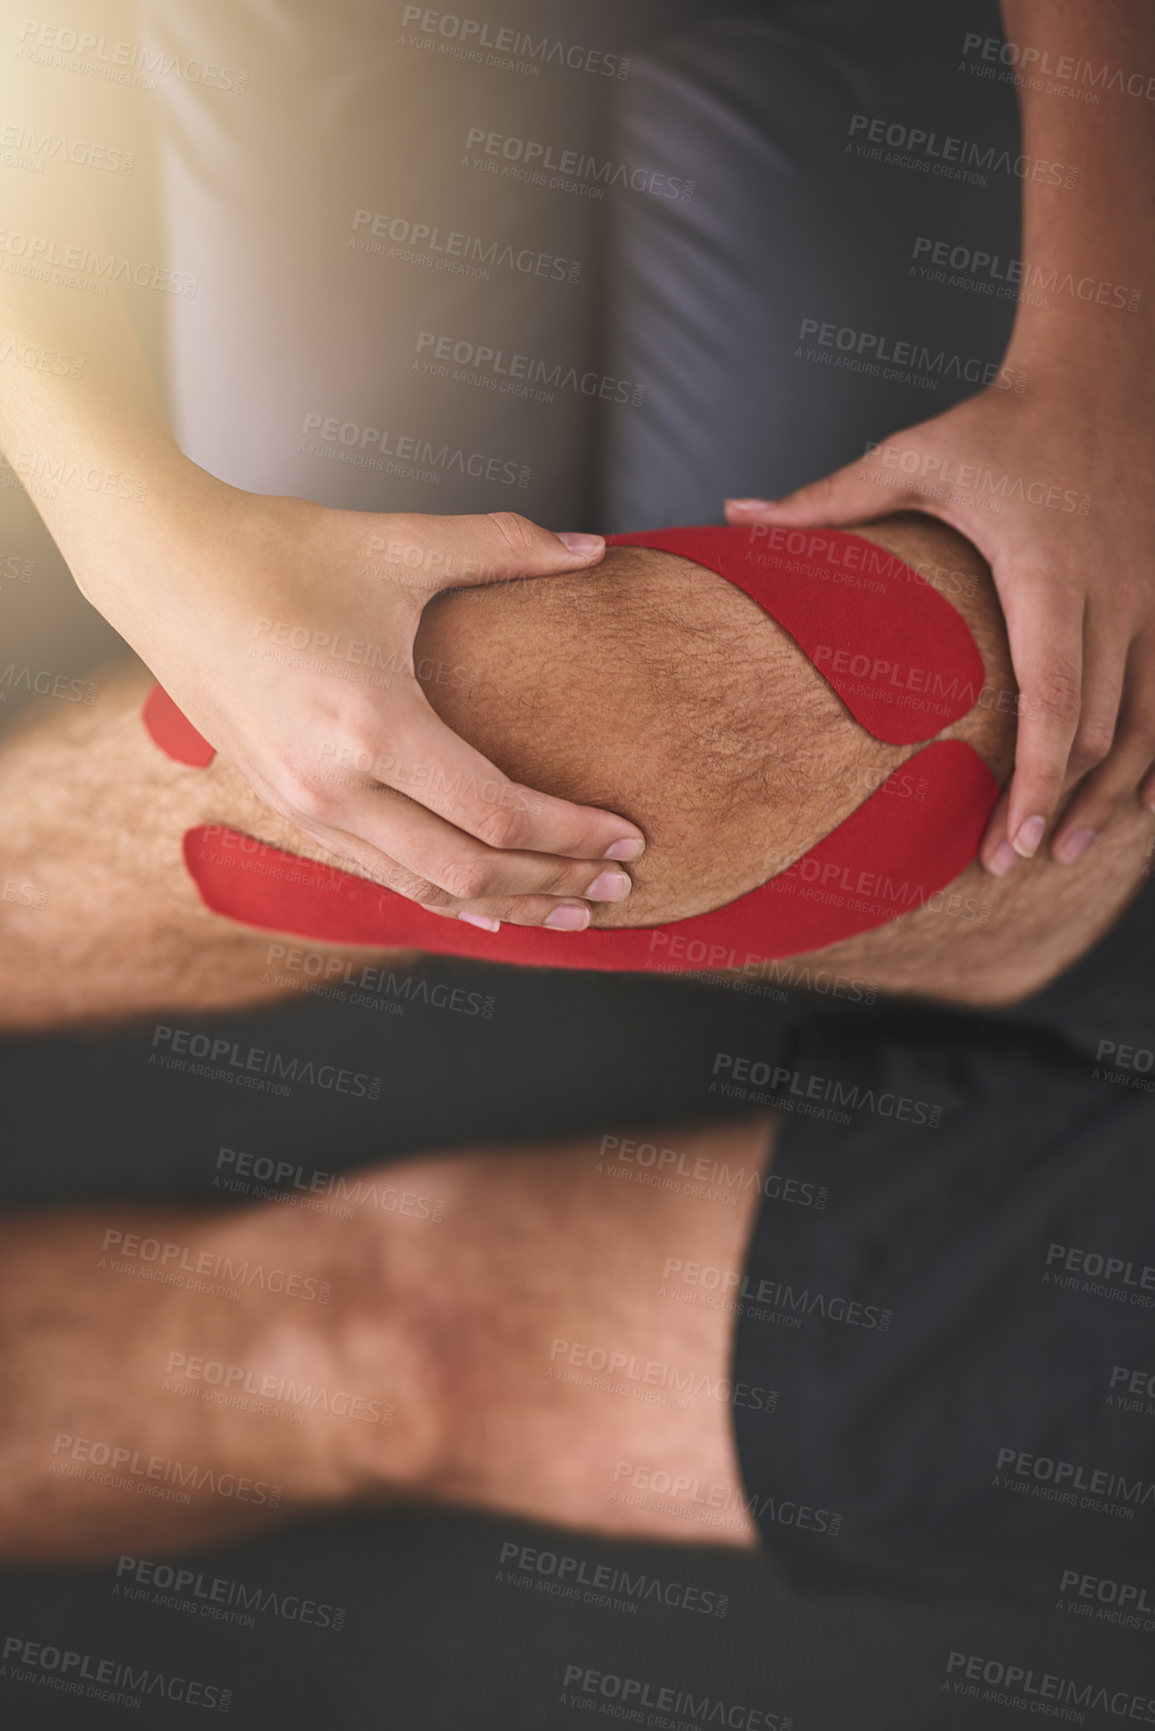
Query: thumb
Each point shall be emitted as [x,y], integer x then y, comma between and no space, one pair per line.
[849,495]
[463,552]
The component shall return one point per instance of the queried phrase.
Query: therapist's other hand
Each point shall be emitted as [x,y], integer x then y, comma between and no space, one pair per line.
[284,630]
[1047,485]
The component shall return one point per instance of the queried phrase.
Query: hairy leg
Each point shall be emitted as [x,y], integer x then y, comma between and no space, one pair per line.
[498,1337]
[169,1376]
[647,676]
[100,918]
[649,686]
[659,688]
[582,1359]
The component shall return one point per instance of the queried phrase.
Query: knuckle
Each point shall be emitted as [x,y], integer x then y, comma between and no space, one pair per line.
[573,880]
[500,826]
[307,799]
[420,890]
[1093,743]
[468,880]
[1088,753]
[1055,699]
[524,911]
[517,533]
[360,745]
[820,493]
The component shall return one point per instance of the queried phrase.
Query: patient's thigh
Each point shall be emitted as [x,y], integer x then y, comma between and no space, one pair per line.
[98,915]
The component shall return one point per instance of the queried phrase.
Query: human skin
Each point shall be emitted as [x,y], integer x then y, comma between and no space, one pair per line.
[651,683]
[178,568]
[1074,583]
[184,564]
[468,1326]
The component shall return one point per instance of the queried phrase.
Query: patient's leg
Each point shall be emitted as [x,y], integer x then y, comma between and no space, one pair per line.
[651,676]
[649,686]
[100,918]
[499,1337]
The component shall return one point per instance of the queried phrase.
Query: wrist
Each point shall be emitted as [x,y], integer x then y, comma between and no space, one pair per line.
[1096,350]
[158,565]
[120,523]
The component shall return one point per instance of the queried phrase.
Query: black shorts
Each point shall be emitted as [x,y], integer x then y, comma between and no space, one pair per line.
[962,1332]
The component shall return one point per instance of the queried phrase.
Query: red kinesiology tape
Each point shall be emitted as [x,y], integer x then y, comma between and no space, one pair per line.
[899,657]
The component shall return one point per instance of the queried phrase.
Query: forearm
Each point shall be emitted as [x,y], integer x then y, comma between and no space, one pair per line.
[1091,216]
[82,423]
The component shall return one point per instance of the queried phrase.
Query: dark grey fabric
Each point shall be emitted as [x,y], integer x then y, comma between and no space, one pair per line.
[962,1335]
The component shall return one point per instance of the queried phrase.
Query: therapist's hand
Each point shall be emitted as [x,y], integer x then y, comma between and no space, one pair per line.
[284,630]
[1053,487]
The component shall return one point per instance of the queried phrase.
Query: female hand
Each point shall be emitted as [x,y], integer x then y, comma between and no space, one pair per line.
[284,630]
[1048,485]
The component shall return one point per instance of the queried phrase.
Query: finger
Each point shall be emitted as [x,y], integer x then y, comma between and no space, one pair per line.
[439,553]
[1045,629]
[379,868]
[1118,776]
[847,496]
[1105,651]
[422,856]
[488,912]
[427,761]
[996,854]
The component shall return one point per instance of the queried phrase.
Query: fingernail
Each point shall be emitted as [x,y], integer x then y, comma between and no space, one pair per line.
[1003,858]
[750,504]
[578,543]
[1075,845]
[631,849]
[609,887]
[569,919]
[1029,835]
[480,921]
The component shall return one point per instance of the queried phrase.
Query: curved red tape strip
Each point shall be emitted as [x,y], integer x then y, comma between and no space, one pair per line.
[835,891]
[899,656]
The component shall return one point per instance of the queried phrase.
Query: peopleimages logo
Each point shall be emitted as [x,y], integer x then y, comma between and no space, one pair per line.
[237,1383]
[516,374]
[1019,274]
[827,1089]
[691,1498]
[866,350]
[219,1598]
[741,1293]
[117,61]
[587,1687]
[1101,1274]
[1101,1591]
[1061,1480]
[131,1247]
[368,447]
[568,170]
[154,1475]
[1023,1686]
[116,1681]
[453,251]
[600,1583]
[949,155]
[510,49]
[673,1162]
[1032,63]
[228,1060]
